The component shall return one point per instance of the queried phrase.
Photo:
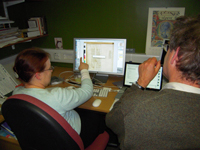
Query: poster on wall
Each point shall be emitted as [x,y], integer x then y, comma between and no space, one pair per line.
[160,23]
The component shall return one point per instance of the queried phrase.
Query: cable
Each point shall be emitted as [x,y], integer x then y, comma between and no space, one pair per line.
[64,72]
[99,85]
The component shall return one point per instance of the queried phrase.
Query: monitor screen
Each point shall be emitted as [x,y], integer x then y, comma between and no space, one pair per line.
[104,55]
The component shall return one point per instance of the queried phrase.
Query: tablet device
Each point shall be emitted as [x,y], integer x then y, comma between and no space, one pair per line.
[131,75]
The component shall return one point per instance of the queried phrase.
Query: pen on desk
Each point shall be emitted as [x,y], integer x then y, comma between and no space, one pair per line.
[73,82]
[7,129]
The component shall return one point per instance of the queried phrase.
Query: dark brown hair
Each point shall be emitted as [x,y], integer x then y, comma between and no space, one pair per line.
[186,35]
[30,61]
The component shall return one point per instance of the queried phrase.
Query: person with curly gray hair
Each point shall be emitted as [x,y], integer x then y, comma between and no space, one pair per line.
[168,119]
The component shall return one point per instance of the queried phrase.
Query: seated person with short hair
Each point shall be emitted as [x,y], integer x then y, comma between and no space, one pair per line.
[168,119]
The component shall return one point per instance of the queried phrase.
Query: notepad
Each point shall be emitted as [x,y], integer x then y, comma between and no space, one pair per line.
[7,83]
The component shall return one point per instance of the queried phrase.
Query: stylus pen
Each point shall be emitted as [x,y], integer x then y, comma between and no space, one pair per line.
[73,82]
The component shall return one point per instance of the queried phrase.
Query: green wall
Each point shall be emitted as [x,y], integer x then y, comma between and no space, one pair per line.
[95,19]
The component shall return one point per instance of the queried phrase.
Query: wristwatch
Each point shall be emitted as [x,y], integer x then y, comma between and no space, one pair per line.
[136,83]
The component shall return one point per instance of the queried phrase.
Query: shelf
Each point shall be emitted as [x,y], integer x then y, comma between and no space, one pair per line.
[11,3]
[4,20]
[26,40]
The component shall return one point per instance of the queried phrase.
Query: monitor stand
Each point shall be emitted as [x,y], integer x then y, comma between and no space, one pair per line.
[100,78]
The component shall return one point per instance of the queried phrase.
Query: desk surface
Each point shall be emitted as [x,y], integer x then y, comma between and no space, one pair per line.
[106,101]
[1,116]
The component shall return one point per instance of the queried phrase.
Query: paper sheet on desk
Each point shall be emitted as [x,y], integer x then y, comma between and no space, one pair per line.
[113,104]
[7,83]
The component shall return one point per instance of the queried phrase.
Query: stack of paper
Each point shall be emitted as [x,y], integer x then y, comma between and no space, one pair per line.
[7,83]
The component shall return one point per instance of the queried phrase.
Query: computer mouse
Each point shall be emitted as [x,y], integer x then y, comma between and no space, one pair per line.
[96,103]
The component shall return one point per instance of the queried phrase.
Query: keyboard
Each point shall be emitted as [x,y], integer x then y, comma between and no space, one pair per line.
[120,93]
[101,92]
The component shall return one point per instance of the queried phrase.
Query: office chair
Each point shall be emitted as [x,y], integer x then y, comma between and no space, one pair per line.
[39,127]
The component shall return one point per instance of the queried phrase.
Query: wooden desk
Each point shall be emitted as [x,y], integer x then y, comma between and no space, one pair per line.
[106,101]
[1,116]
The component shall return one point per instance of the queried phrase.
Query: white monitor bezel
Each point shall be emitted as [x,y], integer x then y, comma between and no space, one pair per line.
[102,72]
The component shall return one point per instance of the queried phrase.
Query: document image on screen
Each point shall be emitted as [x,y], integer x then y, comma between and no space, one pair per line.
[98,55]
[131,75]
[104,56]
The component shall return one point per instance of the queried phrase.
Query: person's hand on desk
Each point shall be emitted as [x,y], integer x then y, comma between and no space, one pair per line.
[83,65]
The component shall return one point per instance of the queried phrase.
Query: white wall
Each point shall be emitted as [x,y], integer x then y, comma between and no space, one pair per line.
[138,58]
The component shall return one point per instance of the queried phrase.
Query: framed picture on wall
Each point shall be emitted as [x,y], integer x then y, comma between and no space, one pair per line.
[160,23]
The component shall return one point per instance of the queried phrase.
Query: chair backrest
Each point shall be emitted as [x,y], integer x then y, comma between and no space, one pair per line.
[37,126]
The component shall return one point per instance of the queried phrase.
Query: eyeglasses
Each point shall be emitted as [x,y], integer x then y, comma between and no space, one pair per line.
[51,68]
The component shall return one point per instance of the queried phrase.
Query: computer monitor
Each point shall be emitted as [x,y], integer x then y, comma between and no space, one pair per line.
[105,56]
